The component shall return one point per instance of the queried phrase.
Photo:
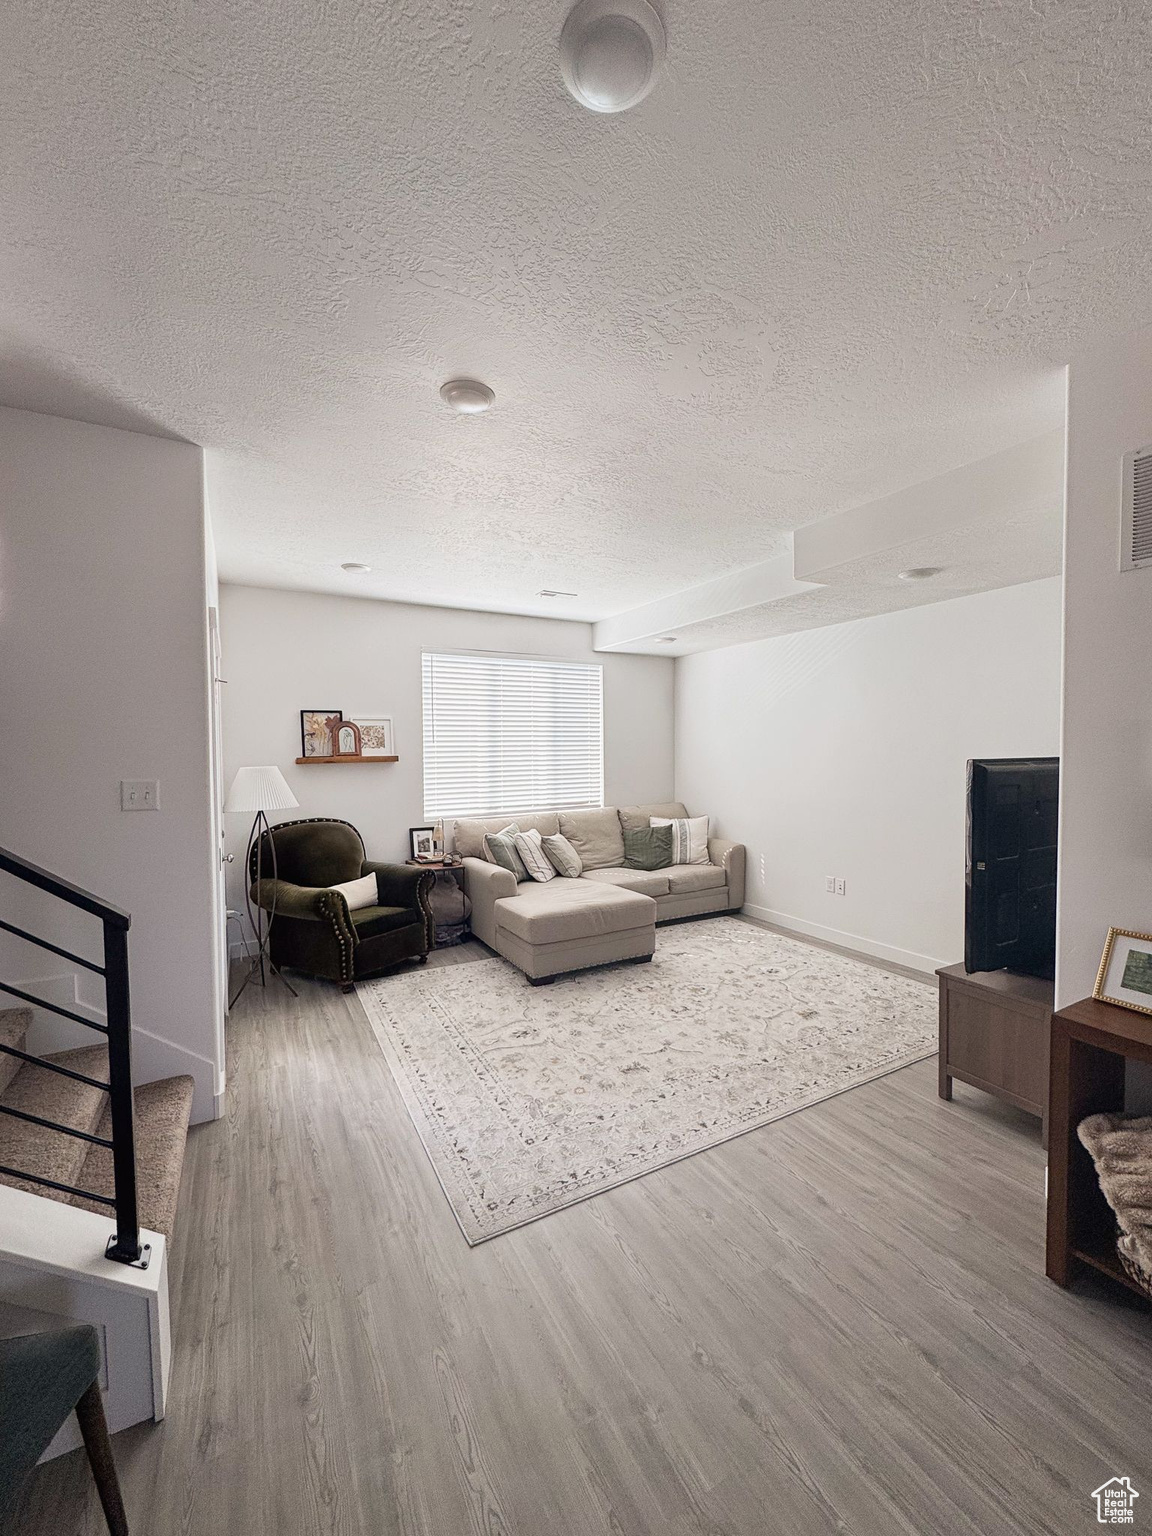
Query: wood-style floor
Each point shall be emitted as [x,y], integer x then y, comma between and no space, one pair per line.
[838,1323]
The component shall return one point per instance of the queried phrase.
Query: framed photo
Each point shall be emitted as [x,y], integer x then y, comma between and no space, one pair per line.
[345,739]
[376,736]
[316,731]
[1125,976]
[421,839]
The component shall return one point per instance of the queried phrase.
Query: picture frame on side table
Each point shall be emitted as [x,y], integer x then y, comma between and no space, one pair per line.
[377,738]
[1125,975]
[422,840]
[316,731]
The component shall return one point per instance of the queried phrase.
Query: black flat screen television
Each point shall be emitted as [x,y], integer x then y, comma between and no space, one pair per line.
[1010,905]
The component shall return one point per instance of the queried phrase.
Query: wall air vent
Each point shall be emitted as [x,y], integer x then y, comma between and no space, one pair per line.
[1136,513]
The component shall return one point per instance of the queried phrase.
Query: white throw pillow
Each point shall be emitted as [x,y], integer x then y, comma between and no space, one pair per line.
[530,847]
[689,837]
[358,893]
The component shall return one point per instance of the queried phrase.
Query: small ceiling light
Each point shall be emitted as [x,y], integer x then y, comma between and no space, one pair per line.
[921,572]
[611,52]
[468,396]
[355,567]
[665,639]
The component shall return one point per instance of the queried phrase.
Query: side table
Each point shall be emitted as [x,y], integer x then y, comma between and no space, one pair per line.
[451,908]
[1092,1042]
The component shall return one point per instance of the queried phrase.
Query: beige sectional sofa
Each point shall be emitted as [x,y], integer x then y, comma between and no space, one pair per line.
[609,912]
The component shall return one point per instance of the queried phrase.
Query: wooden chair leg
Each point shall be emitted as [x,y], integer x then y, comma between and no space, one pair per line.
[94,1428]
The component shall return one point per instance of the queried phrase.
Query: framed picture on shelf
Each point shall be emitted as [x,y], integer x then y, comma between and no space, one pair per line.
[316,731]
[376,735]
[1125,976]
[423,843]
[345,739]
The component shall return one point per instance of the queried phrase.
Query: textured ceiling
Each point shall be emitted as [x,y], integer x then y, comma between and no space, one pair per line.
[841,247]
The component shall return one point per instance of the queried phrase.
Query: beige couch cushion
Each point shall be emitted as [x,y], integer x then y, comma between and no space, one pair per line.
[571,909]
[694,877]
[468,838]
[635,817]
[651,882]
[596,836]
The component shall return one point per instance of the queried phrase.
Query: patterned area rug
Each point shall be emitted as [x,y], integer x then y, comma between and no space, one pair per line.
[529,1099]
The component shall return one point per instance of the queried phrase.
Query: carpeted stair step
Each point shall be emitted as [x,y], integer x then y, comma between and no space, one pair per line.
[36,1091]
[162,1111]
[14,1026]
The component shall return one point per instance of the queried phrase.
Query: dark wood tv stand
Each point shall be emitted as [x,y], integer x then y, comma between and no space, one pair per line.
[994,1034]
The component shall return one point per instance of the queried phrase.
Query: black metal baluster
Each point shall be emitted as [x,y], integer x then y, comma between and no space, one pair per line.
[124,1246]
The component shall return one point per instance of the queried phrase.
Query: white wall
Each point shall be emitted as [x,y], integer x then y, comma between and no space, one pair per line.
[287,651]
[104,677]
[1106,785]
[842,751]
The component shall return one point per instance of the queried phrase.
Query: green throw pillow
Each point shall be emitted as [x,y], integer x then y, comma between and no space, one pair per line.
[502,848]
[648,848]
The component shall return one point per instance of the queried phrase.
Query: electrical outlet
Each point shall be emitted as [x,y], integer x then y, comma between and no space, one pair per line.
[139,795]
[840,887]
[830,884]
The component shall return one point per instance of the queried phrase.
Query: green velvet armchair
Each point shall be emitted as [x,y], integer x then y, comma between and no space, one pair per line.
[313,930]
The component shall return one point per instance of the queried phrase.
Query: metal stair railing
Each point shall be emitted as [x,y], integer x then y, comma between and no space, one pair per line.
[124,1245]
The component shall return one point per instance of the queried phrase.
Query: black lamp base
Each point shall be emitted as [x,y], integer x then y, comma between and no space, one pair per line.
[260,919]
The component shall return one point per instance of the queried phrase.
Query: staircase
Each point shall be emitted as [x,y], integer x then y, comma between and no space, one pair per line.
[59,1159]
[89,1165]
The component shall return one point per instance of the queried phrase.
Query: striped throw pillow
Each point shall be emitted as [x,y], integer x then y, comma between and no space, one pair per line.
[689,838]
[500,848]
[531,850]
[562,854]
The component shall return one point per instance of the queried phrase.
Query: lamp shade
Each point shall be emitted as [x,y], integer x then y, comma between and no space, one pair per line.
[259,789]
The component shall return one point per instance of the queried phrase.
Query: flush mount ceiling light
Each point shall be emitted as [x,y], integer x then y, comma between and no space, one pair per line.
[355,567]
[611,52]
[468,396]
[665,639]
[921,572]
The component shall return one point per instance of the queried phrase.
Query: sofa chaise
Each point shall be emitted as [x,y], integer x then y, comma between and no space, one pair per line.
[609,912]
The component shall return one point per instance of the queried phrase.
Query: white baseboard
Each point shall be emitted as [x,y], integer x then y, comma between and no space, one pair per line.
[906,957]
[153,1057]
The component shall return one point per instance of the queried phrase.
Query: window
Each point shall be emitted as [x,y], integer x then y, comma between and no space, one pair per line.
[510,733]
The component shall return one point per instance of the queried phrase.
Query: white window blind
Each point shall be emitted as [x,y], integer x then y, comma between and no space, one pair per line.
[508,733]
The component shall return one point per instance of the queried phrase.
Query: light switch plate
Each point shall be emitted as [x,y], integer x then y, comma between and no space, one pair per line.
[139,795]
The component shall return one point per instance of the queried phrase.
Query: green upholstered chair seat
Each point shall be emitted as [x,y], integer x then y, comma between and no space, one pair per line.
[312,929]
[371,921]
[42,1377]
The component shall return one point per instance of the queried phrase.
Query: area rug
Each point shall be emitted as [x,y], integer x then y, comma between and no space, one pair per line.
[529,1099]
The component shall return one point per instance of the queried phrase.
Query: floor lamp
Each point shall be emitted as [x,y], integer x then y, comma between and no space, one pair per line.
[259,790]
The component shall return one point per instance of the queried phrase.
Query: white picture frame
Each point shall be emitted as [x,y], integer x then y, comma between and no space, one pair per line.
[377,737]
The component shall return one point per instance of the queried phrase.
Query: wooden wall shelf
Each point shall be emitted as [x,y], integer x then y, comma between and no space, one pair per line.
[347,759]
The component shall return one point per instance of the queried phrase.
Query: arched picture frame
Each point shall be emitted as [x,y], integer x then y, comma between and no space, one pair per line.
[346,739]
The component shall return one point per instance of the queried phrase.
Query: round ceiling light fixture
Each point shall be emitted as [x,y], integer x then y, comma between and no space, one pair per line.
[468,396]
[921,572]
[666,639]
[611,52]
[355,567]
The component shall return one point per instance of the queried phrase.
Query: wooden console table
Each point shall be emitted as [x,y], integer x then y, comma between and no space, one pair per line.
[1091,1042]
[994,1028]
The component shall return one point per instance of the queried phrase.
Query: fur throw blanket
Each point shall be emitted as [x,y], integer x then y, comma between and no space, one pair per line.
[1121,1148]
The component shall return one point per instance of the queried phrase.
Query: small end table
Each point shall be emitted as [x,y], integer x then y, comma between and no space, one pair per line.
[451,908]
[1092,1042]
